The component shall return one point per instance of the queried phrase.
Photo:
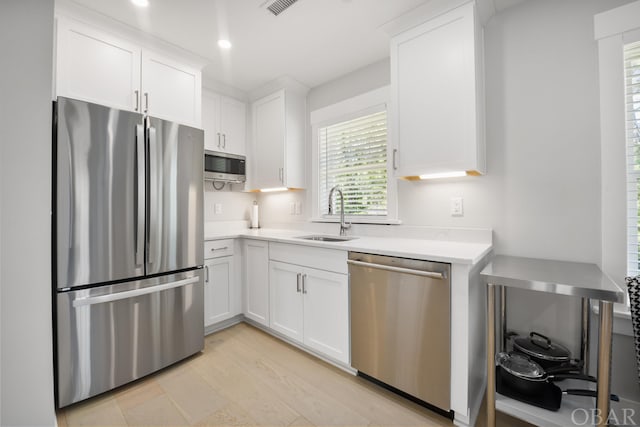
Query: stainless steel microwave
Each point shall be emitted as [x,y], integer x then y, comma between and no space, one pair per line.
[224,167]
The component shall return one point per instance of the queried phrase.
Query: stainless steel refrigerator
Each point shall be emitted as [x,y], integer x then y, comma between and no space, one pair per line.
[128,246]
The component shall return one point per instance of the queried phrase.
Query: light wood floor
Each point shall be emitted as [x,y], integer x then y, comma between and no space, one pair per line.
[245,377]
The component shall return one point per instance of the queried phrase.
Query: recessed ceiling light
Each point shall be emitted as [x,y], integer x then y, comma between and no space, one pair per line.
[140,3]
[224,44]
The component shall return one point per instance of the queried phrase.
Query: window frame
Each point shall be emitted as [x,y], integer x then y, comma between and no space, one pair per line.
[612,30]
[357,106]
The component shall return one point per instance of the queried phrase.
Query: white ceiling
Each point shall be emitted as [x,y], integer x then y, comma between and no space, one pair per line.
[313,41]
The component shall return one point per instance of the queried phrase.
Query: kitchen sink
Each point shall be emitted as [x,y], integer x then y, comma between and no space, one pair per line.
[320,238]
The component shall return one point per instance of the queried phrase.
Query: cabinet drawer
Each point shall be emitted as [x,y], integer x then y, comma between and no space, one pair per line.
[320,258]
[218,248]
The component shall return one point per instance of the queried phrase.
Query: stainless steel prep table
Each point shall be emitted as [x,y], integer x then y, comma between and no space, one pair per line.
[576,279]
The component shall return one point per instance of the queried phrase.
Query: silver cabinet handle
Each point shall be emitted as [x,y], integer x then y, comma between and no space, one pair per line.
[395,153]
[218,139]
[431,274]
[206,274]
[133,293]
[298,282]
[219,249]
[281,174]
[140,190]
[137,92]
[304,283]
[224,140]
[146,102]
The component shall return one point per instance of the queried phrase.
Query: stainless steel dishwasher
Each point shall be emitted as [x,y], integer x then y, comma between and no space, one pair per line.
[401,324]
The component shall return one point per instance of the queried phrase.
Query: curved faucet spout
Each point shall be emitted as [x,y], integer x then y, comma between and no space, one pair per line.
[343,225]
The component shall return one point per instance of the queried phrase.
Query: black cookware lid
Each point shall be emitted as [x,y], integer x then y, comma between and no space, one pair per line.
[537,345]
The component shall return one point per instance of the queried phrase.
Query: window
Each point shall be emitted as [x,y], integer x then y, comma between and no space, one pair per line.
[632,113]
[351,151]
[353,156]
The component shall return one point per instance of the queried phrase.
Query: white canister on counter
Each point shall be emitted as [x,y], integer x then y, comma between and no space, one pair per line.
[254,215]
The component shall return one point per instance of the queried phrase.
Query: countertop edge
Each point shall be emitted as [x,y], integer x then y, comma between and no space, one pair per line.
[348,246]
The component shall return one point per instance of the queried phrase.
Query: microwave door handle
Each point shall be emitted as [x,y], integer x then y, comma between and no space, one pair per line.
[140,196]
[153,196]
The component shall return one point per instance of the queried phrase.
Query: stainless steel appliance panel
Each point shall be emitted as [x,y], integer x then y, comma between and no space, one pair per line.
[224,167]
[100,180]
[111,335]
[175,197]
[400,324]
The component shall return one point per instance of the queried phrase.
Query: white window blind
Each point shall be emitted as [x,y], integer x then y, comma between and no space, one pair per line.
[353,155]
[632,103]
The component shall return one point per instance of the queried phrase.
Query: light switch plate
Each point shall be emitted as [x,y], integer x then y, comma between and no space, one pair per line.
[218,208]
[456,206]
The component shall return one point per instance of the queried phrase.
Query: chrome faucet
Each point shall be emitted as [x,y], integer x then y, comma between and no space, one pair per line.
[343,225]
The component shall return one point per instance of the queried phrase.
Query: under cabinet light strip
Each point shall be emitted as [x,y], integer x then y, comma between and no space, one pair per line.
[455,174]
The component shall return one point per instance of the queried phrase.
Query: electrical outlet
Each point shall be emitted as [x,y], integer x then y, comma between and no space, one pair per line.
[456,206]
[298,208]
[218,208]
[292,208]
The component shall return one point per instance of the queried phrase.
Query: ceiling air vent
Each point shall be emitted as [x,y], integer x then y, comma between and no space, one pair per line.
[278,6]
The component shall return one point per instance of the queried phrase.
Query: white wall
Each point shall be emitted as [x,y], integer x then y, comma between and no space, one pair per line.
[26,364]
[234,204]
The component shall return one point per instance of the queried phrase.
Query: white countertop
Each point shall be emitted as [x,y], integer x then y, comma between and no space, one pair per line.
[432,250]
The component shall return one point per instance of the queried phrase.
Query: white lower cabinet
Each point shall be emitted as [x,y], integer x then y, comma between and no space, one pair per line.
[286,299]
[326,313]
[256,268]
[311,306]
[219,277]
[222,292]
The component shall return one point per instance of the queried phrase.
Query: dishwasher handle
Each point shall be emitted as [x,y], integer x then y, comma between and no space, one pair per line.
[431,274]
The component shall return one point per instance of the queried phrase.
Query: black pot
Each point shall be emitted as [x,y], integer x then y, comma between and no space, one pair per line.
[543,351]
[529,378]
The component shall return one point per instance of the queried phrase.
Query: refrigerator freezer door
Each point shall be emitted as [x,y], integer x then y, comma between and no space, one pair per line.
[111,335]
[99,181]
[175,197]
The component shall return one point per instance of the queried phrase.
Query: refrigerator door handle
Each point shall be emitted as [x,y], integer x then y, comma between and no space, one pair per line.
[79,302]
[140,189]
[153,196]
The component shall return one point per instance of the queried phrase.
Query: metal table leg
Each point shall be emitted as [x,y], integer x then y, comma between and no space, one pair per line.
[604,362]
[584,339]
[491,355]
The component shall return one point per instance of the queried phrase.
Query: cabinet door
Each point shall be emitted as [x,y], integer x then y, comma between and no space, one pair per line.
[233,122]
[219,278]
[211,121]
[285,294]
[171,91]
[96,67]
[326,313]
[256,267]
[269,132]
[433,85]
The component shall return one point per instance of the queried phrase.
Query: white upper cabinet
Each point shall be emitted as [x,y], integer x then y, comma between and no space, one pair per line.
[437,103]
[98,67]
[170,90]
[224,121]
[278,140]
